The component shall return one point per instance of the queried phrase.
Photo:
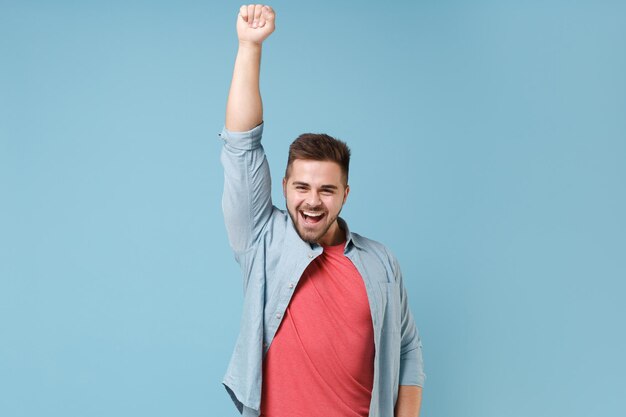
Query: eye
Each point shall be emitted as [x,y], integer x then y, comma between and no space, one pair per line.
[328,192]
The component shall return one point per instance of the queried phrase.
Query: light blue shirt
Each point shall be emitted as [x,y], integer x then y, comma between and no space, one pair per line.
[273,257]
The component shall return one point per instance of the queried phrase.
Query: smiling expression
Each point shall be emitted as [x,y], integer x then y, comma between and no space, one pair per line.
[315,192]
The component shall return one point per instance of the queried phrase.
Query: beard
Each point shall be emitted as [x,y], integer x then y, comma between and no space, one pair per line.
[308,235]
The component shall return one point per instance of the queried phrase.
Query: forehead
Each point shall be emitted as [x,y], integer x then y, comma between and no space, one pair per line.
[315,172]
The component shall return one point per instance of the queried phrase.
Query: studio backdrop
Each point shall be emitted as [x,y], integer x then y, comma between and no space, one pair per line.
[489,154]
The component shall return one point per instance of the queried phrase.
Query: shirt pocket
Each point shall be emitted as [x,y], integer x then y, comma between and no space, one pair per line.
[391,307]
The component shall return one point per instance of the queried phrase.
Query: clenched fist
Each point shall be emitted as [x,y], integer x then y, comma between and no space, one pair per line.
[255,23]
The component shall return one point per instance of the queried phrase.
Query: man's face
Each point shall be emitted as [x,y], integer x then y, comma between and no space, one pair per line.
[315,193]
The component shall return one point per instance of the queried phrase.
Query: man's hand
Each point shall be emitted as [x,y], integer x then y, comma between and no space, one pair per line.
[255,23]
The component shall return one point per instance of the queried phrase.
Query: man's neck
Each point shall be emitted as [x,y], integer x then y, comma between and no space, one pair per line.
[334,236]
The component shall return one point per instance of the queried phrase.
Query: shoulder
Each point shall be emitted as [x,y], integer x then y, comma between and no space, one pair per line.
[373,248]
[273,231]
[277,223]
[377,259]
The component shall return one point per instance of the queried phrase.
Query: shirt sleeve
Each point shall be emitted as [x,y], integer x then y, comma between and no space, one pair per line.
[411,361]
[246,201]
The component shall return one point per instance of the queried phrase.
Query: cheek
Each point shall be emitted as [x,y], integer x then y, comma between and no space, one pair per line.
[333,204]
[293,200]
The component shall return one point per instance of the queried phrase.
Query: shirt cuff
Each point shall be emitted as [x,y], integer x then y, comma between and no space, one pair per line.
[411,370]
[245,141]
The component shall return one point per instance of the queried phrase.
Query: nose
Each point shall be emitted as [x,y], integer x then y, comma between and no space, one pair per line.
[313,199]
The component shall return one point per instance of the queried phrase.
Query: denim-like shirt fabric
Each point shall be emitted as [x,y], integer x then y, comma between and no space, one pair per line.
[273,257]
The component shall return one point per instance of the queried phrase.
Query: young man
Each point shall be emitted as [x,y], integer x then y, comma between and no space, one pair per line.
[326,330]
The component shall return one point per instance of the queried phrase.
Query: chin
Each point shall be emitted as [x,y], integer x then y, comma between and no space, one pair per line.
[309,237]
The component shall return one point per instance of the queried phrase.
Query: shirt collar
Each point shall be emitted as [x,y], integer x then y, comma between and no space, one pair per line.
[350,237]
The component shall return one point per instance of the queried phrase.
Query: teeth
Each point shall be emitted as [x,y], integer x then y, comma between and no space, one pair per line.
[310,214]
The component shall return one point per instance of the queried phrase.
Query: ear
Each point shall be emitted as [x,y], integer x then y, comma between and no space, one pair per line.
[285,187]
[345,194]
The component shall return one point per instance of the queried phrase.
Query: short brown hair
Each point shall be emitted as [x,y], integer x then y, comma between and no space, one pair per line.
[319,147]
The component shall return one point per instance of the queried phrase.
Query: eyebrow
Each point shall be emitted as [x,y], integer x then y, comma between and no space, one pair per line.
[326,186]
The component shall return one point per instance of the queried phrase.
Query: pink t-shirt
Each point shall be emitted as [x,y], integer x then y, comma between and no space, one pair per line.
[321,361]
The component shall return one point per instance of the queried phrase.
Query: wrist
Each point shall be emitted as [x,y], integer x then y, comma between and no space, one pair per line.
[250,45]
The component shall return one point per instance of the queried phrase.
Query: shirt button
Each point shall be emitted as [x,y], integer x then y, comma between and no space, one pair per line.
[278,315]
[291,285]
[310,255]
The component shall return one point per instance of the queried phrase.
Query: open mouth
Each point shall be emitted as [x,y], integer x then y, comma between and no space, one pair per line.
[311,217]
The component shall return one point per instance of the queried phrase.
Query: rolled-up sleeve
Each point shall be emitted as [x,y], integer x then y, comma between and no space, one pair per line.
[411,361]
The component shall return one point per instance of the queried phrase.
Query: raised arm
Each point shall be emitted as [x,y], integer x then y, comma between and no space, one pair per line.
[244,109]
[246,202]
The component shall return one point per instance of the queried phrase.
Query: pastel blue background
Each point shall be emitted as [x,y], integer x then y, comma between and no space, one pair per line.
[489,153]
